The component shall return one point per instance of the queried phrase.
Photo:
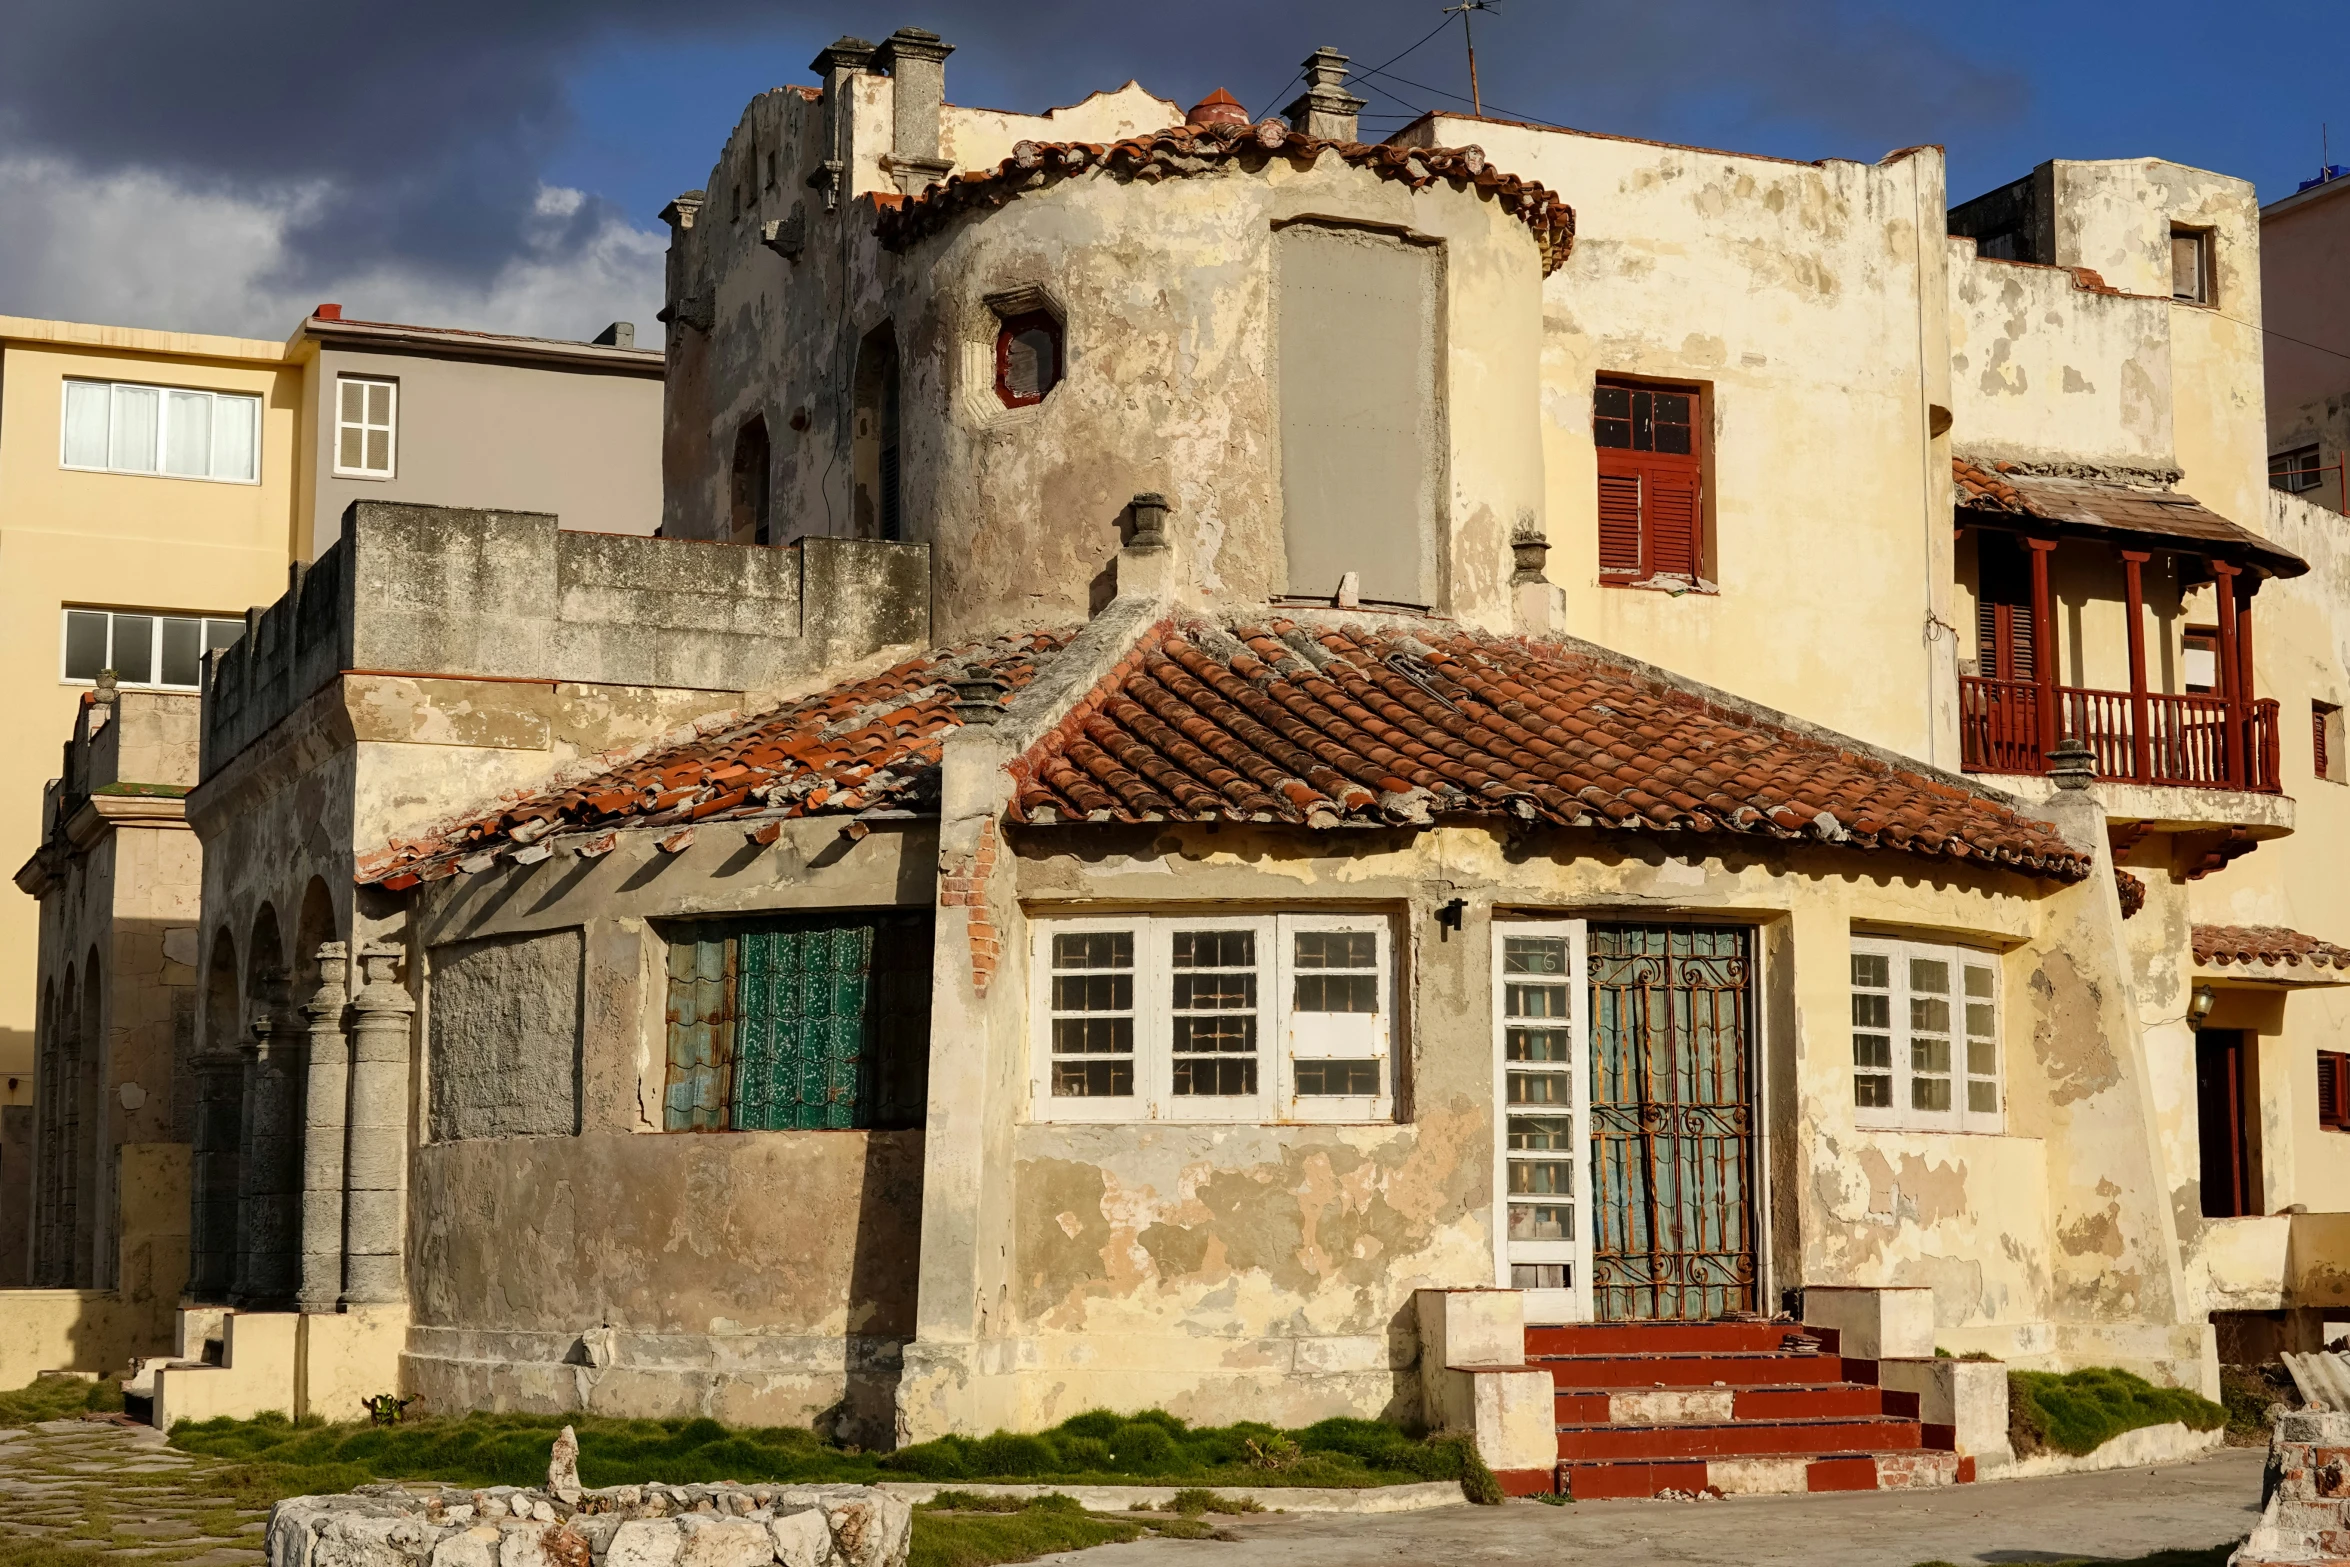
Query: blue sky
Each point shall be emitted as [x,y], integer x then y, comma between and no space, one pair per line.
[501,163]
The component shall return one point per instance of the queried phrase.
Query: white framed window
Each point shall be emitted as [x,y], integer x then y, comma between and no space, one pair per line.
[366,420]
[165,652]
[1542,1077]
[1256,1018]
[174,432]
[1925,1037]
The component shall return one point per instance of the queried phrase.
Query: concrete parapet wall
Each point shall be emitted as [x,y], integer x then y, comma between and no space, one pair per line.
[510,595]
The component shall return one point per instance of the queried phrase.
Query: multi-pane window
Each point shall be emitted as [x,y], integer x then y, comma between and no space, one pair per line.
[1651,448]
[366,411]
[1545,1154]
[1925,1037]
[1257,1018]
[814,1022]
[180,433]
[2190,265]
[2295,471]
[142,649]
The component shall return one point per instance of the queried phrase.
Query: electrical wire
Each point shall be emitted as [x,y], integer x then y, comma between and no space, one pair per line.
[1440,92]
[1381,66]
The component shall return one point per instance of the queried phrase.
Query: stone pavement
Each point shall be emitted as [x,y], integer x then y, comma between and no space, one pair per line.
[95,1485]
[2113,1516]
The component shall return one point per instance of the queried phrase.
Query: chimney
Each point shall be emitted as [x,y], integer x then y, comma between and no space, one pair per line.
[327,313]
[1325,109]
[917,63]
[845,58]
[620,334]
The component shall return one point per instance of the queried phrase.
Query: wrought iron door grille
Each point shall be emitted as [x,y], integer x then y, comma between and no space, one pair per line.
[1672,1122]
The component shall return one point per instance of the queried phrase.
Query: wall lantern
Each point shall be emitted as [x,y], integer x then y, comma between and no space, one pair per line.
[2199,1005]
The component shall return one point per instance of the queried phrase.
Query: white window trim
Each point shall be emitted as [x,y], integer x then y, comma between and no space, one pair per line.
[390,427]
[1900,1116]
[157,617]
[162,429]
[1572,1304]
[1281,1040]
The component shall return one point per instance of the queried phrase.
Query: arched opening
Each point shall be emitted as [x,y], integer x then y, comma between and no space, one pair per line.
[752,523]
[219,1091]
[93,1175]
[53,1152]
[315,929]
[879,511]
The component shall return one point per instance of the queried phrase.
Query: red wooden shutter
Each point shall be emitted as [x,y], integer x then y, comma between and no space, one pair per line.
[1619,516]
[1670,518]
[2333,1090]
[2318,714]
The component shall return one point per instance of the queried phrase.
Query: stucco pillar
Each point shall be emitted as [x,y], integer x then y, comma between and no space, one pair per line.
[325,1105]
[266,1238]
[1325,109]
[212,1216]
[916,62]
[375,1177]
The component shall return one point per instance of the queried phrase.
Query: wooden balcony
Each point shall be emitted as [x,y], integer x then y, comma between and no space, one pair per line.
[2181,742]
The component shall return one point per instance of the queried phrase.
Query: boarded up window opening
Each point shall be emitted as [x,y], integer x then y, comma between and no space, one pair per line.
[808,1023]
[1360,425]
[751,522]
[2003,609]
[1651,456]
[875,435]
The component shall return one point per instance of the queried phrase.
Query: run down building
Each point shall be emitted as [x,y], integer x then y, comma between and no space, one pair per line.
[1344,789]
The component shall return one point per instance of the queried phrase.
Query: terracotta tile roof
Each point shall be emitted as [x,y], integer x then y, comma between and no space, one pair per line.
[864,746]
[1195,149]
[2218,946]
[2125,513]
[2131,890]
[1331,720]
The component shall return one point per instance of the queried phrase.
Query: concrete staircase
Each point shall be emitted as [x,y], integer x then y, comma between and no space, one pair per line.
[1734,1408]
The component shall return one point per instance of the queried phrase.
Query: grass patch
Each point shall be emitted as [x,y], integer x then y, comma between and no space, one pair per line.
[2080,1411]
[2247,1392]
[25,1551]
[271,1456]
[958,1529]
[57,1398]
[2217,1556]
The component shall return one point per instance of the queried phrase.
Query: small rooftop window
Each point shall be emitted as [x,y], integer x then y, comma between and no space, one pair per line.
[2190,265]
[1027,358]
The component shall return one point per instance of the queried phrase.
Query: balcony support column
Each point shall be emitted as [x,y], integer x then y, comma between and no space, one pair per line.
[2231,669]
[2044,645]
[2141,751]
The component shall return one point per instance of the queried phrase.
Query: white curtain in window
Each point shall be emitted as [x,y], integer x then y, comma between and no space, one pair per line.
[85,423]
[131,441]
[236,438]
[187,434]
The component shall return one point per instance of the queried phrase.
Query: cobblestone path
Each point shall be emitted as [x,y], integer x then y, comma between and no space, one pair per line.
[95,1486]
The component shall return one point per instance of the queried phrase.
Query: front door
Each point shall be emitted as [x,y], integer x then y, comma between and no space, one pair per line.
[1672,1122]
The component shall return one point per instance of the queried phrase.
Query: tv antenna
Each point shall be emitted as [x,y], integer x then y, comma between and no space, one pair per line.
[1476,99]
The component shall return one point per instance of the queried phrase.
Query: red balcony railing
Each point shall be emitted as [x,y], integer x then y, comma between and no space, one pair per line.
[2186,736]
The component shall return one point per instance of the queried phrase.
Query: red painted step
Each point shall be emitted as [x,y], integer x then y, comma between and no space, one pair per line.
[1659,1338]
[1731,1370]
[1740,1438]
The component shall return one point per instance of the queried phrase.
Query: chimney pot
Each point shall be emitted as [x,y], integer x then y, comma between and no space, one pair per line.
[1326,110]
[1150,521]
[1217,108]
[328,313]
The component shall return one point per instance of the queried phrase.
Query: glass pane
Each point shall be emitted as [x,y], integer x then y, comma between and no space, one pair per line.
[1537,1044]
[379,403]
[1611,417]
[1931,975]
[1542,1177]
[1542,1133]
[85,423]
[1535,1000]
[130,441]
[181,641]
[1540,1088]
[236,438]
[1216,1035]
[1982,1058]
[1093,1036]
[1978,1019]
[1093,1079]
[1533,955]
[1872,969]
[1929,1055]
[1215,949]
[1337,949]
[354,402]
[85,643]
[350,447]
[1542,1221]
[1930,1014]
[220,633]
[187,435]
[1216,992]
[1540,1276]
[1874,1050]
[1215,1076]
[1358,1079]
[1929,1093]
[1872,1093]
[1978,981]
[1982,1098]
[1871,1011]
[134,649]
[1337,993]
[379,451]
[1093,992]
[1095,949]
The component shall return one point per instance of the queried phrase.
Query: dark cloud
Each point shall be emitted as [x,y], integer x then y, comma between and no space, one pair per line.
[422,129]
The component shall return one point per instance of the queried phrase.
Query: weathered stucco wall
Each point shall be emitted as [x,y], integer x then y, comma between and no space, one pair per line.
[2304,249]
[2044,369]
[505,1037]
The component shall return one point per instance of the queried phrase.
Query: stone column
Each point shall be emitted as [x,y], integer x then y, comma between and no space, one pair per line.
[212,1217]
[375,1179]
[325,1106]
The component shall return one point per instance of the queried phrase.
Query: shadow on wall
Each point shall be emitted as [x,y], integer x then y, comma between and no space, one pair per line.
[884,1275]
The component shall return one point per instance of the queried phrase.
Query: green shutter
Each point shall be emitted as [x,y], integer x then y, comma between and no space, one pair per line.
[803,1063]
